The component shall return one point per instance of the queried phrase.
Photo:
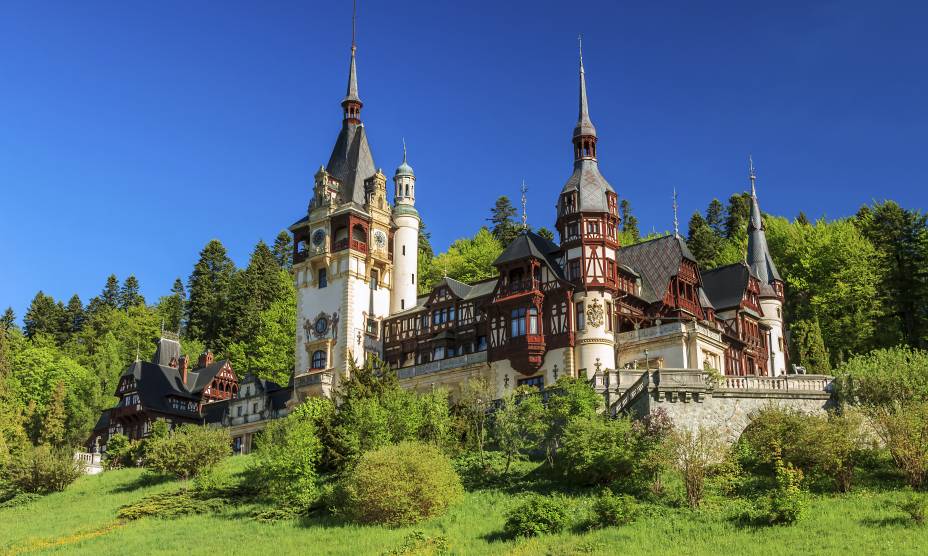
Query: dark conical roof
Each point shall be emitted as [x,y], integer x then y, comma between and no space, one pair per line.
[352,94]
[351,161]
[758,256]
[584,124]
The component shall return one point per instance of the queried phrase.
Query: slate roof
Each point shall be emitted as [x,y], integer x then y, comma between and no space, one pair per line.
[656,261]
[466,291]
[156,383]
[590,184]
[725,285]
[103,422]
[351,162]
[168,348]
[758,256]
[214,412]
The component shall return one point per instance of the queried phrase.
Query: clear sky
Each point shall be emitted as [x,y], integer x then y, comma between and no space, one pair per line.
[131,133]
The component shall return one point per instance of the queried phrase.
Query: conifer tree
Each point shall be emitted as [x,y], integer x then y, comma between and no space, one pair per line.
[703,242]
[629,222]
[110,295]
[54,431]
[504,228]
[737,216]
[209,288]
[129,295]
[44,316]
[283,250]
[74,315]
[8,320]
[171,307]
[545,233]
[809,346]
[715,217]
[253,291]
[802,219]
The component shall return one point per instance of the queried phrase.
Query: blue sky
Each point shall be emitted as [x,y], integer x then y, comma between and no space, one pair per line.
[131,133]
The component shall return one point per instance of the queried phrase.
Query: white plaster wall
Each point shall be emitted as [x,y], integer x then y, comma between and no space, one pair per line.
[775,322]
[594,342]
[404,266]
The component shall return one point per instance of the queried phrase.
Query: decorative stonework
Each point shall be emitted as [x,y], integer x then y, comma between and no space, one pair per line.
[594,313]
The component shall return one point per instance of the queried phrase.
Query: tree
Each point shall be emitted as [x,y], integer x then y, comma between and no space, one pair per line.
[703,242]
[474,399]
[129,295]
[545,233]
[596,450]
[715,217]
[903,428]
[268,352]
[44,316]
[519,423]
[53,425]
[209,288]
[504,228]
[74,315]
[569,398]
[424,261]
[110,296]
[809,347]
[171,307]
[8,320]
[629,222]
[467,260]
[802,219]
[283,249]
[285,462]
[737,216]
[189,450]
[697,452]
[883,376]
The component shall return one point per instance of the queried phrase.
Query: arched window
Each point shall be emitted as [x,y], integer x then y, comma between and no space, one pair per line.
[358,233]
[318,361]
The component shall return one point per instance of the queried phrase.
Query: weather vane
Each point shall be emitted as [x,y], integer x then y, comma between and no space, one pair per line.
[676,221]
[524,189]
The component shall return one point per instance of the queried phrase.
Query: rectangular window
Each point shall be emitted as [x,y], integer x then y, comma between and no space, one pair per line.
[533,321]
[413,277]
[254,408]
[439,353]
[402,305]
[535,382]
[239,411]
[404,249]
[375,278]
[451,315]
[517,322]
[573,269]
[608,316]
[481,343]
[581,321]
[323,279]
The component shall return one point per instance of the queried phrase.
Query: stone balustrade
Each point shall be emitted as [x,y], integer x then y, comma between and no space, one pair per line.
[667,330]
[442,365]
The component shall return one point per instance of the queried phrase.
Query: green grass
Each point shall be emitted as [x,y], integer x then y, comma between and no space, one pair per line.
[82,520]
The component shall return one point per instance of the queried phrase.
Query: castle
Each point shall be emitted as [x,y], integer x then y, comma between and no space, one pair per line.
[584,307]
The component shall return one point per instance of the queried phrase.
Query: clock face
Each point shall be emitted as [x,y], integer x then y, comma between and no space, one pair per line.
[380,238]
[318,237]
[321,325]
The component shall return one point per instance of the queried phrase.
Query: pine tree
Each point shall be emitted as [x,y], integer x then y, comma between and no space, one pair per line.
[283,250]
[715,217]
[802,219]
[738,215]
[425,243]
[629,222]
[703,242]
[110,295]
[546,233]
[129,295]
[253,291]
[209,288]
[53,425]
[44,316]
[504,228]
[8,320]
[809,346]
[74,315]
[171,307]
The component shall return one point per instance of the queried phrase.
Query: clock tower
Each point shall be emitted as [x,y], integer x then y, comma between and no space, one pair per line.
[343,256]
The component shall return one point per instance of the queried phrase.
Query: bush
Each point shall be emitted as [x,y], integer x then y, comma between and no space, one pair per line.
[654,452]
[916,505]
[43,469]
[480,469]
[418,543]
[597,450]
[518,424]
[610,510]
[285,462]
[538,515]
[883,376]
[167,505]
[904,430]
[698,452]
[785,504]
[400,484]
[188,450]
[121,452]
[570,398]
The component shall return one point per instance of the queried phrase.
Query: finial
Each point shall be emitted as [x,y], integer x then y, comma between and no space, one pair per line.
[404,150]
[676,221]
[752,174]
[580,40]
[137,358]
[354,25]
[524,189]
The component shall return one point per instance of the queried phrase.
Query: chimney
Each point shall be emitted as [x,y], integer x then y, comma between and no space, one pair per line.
[205,360]
[183,368]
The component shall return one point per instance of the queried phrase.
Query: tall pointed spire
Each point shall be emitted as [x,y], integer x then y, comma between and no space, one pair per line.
[584,127]
[758,255]
[524,190]
[676,220]
[352,102]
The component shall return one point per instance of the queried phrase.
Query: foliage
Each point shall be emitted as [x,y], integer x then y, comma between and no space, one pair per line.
[809,346]
[42,469]
[610,510]
[210,288]
[518,424]
[698,451]
[467,260]
[883,376]
[785,504]
[654,454]
[916,505]
[285,462]
[419,543]
[167,505]
[401,484]
[537,515]
[474,400]
[121,452]
[478,470]
[569,398]
[504,227]
[188,450]
[903,428]
[597,450]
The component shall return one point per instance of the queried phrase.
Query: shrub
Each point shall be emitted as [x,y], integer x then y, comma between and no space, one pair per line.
[916,505]
[538,515]
[167,505]
[904,430]
[121,452]
[698,451]
[480,469]
[188,450]
[883,376]
[776,433]
[570,398]
[610,510]
[400,484]
[43,469]
[418,543]
[285,462]
[597,450]
[654,452]
[518,425]
[785,503]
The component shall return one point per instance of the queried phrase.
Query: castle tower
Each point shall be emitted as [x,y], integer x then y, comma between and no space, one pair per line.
[405,239]
[342,258]
[588,224]
[771,285]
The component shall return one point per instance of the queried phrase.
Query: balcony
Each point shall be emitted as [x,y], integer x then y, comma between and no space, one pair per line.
[517,287]
[125,410]
[668,330]
[442,365]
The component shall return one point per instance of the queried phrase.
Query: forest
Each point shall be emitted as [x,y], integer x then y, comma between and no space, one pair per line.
[853,285]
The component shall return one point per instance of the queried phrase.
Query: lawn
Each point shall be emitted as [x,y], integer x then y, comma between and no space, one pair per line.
[82,520]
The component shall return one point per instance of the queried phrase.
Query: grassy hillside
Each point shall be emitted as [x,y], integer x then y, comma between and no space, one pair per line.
[82,520]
